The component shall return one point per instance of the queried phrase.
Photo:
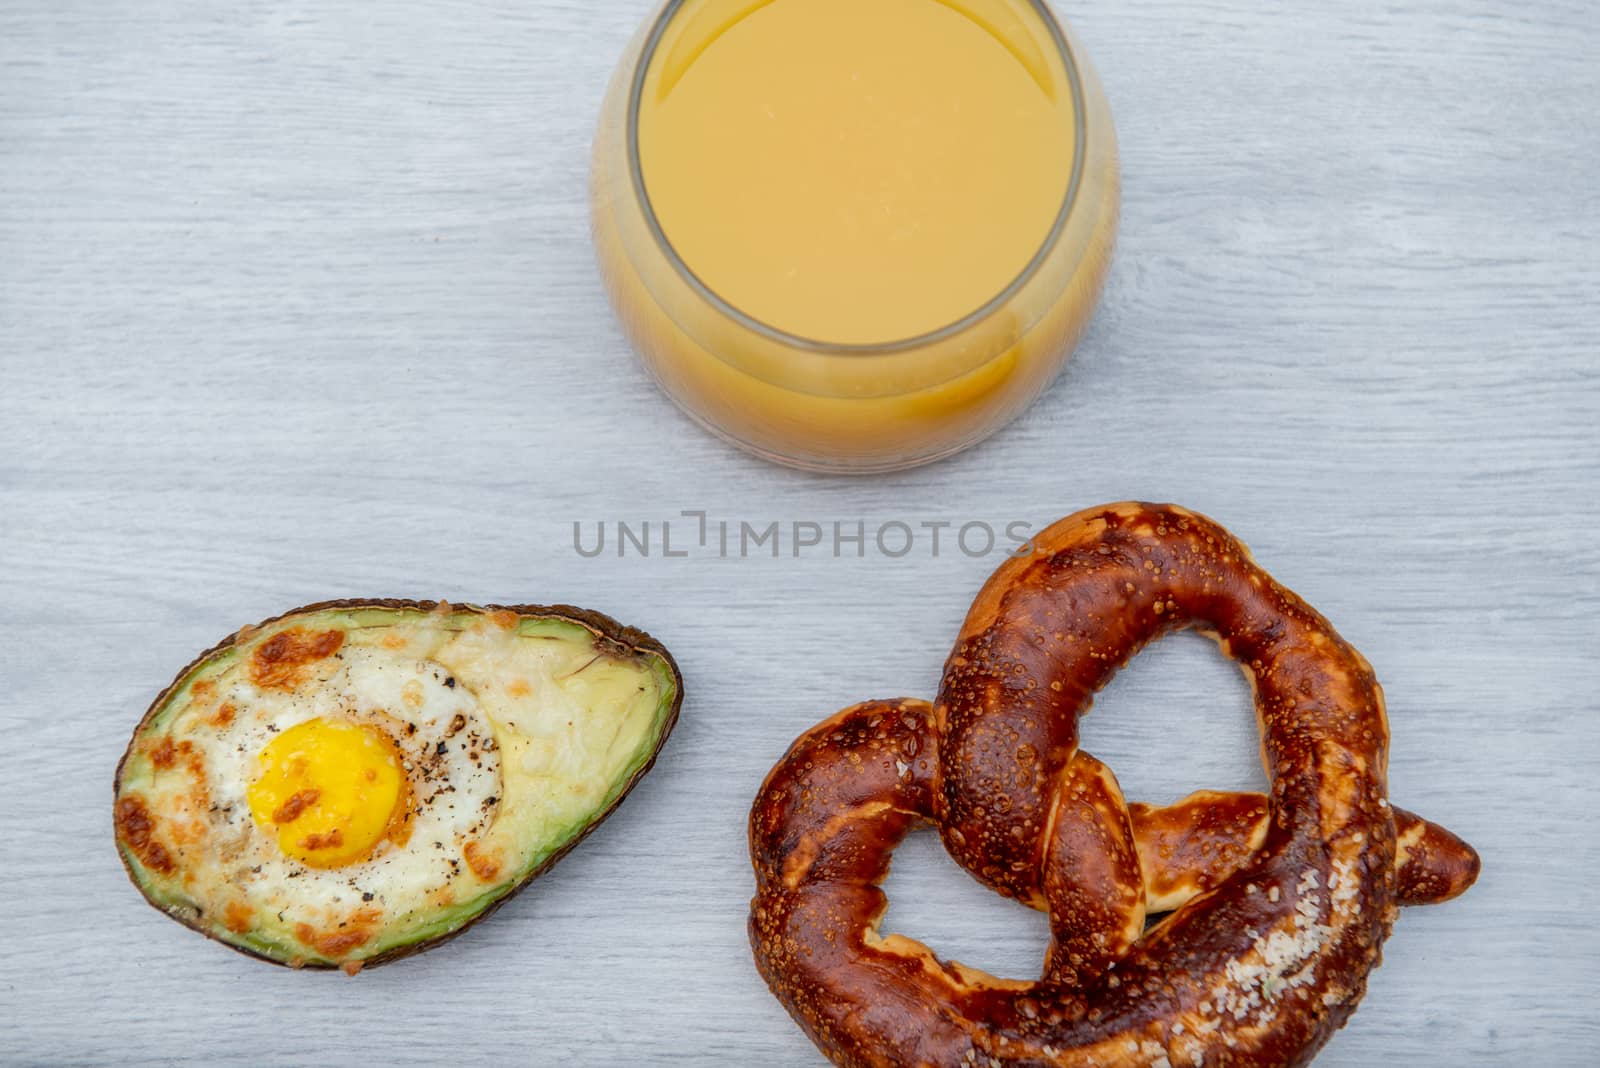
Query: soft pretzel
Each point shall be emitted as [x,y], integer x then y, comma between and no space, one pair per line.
[1278,903]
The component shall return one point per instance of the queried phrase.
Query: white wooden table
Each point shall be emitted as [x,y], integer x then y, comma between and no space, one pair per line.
[296,302]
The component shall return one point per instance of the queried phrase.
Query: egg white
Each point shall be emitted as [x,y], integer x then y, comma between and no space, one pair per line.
[449,754]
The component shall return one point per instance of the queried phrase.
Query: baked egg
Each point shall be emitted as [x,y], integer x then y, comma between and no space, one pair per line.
[355,781]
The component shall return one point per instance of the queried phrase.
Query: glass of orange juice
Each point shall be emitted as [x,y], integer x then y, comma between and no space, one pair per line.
[854,235]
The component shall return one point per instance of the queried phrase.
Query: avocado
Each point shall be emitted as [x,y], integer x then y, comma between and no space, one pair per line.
[355,781]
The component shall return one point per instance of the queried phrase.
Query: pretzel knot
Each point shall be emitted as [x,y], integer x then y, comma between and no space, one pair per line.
[1276,905]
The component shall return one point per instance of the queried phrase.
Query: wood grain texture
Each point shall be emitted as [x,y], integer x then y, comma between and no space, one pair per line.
[297,302]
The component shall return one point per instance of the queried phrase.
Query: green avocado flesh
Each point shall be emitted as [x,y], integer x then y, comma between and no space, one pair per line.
[512,734]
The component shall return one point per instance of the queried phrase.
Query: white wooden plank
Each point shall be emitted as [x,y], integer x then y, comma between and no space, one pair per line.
[298,303]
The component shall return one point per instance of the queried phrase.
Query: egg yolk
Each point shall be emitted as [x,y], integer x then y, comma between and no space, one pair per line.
[328,790]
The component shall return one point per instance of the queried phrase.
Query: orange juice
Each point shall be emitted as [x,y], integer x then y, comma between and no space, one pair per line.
[855,171]
[854,234]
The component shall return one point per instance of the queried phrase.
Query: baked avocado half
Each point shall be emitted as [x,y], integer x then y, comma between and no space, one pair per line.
[356,781]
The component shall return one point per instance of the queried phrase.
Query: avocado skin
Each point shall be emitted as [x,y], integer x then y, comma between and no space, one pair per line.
[605,629]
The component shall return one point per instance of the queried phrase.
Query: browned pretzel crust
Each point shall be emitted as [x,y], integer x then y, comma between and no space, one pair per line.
[1278,904]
